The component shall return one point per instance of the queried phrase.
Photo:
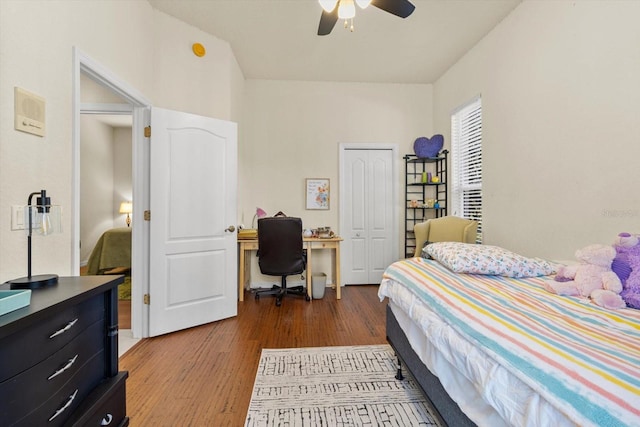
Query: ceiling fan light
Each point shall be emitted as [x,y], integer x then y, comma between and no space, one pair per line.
[363,3]
[328,5]
[346,9]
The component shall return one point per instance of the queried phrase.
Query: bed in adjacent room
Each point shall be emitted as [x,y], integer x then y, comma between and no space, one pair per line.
[496,350]
[113,250]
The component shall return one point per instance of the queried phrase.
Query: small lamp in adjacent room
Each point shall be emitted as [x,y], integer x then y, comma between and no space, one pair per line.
[45,219]
[260,213]
[127,208]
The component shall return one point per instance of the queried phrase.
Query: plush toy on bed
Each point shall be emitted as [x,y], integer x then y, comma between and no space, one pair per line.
[626,265]
[591,278]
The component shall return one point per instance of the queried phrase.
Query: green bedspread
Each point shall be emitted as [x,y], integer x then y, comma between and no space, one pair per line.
[112,250]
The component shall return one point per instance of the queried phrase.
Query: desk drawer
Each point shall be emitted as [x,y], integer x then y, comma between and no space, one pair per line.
[250,246]
[43,380]
[54,411]
[319,244]
[28,347]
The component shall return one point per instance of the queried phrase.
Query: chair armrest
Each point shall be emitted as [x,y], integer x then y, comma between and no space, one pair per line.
[470,232]
[421,231]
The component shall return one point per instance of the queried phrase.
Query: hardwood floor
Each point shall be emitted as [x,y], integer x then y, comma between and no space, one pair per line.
[204,375]
[124,314]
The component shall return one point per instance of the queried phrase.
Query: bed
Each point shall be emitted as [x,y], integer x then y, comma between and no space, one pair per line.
[493,350]
[113,250]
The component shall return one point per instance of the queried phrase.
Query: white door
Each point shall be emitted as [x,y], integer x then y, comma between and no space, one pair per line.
[193,267]
[368,219]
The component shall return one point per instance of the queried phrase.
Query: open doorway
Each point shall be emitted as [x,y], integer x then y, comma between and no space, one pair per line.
[106,193]
[97,91]
[212,235]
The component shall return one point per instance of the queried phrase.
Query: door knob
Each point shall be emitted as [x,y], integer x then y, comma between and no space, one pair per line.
[357,234]
[230,229]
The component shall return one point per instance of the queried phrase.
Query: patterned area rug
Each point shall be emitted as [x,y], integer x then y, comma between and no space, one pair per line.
[334,386]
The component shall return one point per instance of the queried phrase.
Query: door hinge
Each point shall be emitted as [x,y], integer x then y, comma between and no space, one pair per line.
[147,215]
[147,132]
[146,299]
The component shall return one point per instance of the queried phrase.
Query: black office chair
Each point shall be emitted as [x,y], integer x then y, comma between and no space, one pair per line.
[280,253]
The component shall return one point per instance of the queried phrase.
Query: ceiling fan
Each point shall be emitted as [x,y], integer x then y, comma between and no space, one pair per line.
[332,10]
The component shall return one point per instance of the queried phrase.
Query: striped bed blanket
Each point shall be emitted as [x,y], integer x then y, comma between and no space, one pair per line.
[582,359]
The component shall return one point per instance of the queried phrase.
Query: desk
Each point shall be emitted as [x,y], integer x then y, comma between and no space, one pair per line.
[310,244]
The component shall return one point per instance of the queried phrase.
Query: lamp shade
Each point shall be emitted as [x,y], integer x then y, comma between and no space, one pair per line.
[260,213]
[45,219]
[346,9]
[328,5]
[126,207]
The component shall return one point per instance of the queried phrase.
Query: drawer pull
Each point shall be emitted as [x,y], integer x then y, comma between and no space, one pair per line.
[64,368]
[65,329]
[66,405]
[106,420]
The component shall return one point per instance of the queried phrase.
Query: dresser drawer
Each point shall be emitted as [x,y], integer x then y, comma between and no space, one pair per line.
[43,380]
[26,348]
[56,409]
[106,406]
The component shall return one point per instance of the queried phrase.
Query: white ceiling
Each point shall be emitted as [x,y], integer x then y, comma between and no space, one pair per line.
[276,39]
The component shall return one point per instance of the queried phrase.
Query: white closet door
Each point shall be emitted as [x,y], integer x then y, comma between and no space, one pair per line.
[367,219]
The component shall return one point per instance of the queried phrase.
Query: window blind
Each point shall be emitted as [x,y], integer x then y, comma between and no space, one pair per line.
[466,156]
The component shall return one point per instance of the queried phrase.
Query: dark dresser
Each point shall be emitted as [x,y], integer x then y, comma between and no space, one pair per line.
[59,357]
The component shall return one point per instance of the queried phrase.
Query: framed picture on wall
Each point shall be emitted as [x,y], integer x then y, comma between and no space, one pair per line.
[317,193]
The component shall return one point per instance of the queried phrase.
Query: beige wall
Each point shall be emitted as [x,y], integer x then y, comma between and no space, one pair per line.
[292,131]
[185,82]
[560,92]
[97,156]
[561,103]
[105,179]
[147,49]
[122,167]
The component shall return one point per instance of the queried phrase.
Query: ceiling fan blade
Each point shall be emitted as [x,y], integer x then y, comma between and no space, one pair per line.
[401,8]
[327,21]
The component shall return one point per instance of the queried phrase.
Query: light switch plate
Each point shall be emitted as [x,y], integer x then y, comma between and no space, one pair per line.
[17,218]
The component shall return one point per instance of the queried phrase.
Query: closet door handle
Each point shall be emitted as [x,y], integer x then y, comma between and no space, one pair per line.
[230,229]
[65,329]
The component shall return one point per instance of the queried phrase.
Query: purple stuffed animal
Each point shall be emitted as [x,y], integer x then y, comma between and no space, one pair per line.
[626,265]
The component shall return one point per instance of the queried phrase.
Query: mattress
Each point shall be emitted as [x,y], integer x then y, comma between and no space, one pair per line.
[510,353]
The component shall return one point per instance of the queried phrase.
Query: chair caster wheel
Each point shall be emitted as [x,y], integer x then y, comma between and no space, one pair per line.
[278,303]
[307,297]
[257,297]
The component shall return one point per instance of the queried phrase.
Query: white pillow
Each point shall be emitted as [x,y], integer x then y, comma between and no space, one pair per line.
[486,259]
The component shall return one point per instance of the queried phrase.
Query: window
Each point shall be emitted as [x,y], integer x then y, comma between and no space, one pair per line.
[466,156]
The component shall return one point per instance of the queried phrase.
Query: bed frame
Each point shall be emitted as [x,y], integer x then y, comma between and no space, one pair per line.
[444,408]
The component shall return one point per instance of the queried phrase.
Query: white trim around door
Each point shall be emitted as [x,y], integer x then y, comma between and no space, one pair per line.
[83,64]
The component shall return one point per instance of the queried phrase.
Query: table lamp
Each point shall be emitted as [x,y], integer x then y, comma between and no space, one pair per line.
[45,219]
[260,213]
[126,208]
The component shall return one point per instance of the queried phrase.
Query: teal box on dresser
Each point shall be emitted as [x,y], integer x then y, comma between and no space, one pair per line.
[59,356]
[14,299]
